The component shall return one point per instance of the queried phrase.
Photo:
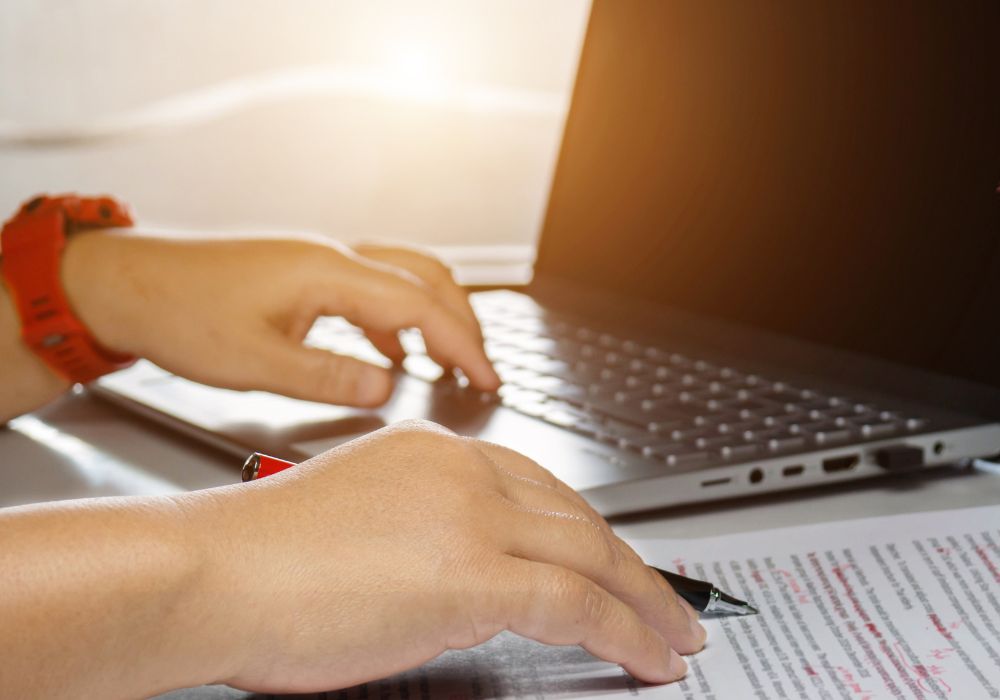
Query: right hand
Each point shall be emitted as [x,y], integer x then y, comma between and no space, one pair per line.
[380,554]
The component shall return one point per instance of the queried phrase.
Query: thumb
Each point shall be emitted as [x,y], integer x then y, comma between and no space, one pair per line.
[317,375]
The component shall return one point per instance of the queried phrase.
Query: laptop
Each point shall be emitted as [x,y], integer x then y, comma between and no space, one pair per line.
[770,260]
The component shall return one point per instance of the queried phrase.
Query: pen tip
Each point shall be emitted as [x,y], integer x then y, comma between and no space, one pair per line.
[751,610]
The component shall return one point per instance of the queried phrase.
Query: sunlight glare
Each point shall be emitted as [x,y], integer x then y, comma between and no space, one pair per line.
[413,71]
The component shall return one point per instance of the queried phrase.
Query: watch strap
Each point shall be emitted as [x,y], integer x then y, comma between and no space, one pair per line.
[31,246]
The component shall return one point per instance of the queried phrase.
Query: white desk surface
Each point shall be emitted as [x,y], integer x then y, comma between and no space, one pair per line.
[80,447]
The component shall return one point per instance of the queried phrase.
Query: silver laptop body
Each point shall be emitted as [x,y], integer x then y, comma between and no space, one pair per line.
[769,261]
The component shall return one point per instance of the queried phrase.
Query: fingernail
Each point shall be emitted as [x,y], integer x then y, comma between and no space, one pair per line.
[678,666]
[373,386]
[493,380]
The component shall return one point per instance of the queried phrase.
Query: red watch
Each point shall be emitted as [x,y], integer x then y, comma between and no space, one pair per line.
[30,250]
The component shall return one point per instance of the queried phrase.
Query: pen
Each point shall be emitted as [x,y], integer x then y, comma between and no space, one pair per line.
[703,596]
[258,466]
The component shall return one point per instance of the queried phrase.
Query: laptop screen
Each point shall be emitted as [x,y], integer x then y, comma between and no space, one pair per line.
[826,170]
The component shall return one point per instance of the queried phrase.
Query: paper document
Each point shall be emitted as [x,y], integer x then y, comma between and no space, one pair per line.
[904,606]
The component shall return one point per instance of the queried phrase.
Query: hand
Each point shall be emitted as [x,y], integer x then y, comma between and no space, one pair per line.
[381,554]
[233,313]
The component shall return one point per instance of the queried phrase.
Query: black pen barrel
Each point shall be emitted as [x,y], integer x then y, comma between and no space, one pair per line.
[697,593]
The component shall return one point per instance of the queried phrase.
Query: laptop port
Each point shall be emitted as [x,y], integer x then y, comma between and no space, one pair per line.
[756,476]
[716,482]
[840,464]
[794,470]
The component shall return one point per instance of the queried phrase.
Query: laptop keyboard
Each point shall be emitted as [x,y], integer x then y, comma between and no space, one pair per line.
[659,404]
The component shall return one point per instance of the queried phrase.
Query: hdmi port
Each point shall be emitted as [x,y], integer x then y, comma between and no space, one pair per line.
[841,464]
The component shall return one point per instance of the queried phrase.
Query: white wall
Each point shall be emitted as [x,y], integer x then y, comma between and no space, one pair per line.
[435,121]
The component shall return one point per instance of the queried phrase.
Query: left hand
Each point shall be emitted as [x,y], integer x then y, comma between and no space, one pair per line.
[233,312]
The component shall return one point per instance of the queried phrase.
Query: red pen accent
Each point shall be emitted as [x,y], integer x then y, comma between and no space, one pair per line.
[258,466]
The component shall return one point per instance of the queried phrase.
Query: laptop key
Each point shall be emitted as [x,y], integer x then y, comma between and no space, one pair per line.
[516,375]
[877,430]
[784,444]
[528,407]
[650,441]
[565,416]
[830,437]
[423,367]
[563,370]
[715,443]
[573,393]
[616,429]
[530,324]
[732,452]
[685,459]
[541,382]
[609,341]
[539,344]
[645,413]
[664,450]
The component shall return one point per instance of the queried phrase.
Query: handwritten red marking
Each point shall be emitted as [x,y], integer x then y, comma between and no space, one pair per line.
[990,566]
[838,572]
[679,566]
[852,683]
[793,583]
[939,626]
[925,674]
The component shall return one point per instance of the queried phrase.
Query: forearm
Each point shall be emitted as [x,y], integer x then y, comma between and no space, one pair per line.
[108,598]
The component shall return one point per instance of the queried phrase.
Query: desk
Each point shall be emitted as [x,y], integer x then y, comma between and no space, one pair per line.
[80,446]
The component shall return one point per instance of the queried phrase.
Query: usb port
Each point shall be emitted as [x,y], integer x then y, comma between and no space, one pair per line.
[716,482]
[794,470]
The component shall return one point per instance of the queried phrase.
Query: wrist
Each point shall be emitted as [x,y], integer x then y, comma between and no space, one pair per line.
[92,268]
[208,620]
[224,620]
[28,382]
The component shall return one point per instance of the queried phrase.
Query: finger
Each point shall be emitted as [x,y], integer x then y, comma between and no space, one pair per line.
[540,497]
[387,343]
[553,605]
[514,462]
[692,613]
[544,499]
[431,270]
[574,543]
[525,483]
[382,300]
[317,375]
[517,463]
